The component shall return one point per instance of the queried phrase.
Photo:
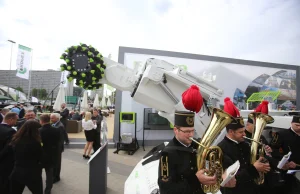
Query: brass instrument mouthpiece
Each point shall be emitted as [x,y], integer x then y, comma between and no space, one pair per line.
[253,140]
[197,142]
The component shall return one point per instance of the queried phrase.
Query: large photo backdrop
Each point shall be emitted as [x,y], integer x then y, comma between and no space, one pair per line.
[238,81]
[245,82]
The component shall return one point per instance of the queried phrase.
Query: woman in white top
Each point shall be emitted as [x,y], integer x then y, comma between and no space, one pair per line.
[89,127]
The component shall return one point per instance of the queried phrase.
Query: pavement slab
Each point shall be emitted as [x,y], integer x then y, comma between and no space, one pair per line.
[75,171]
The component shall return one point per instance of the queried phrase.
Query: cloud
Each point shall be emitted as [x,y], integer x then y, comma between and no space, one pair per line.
[162,6]
[256,30]
[25,22]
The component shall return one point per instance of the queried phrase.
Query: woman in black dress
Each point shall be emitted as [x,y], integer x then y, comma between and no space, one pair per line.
[89,127]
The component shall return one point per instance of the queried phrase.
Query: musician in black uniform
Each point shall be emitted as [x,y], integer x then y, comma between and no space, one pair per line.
[273,179]
[178,173]
[235,148]
[286,141]
[250,129]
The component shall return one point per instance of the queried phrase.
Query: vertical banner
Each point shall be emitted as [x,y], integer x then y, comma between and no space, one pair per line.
[63,78]
[23,62]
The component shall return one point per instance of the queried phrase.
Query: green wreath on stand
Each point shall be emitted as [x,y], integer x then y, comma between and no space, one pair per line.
[85,64]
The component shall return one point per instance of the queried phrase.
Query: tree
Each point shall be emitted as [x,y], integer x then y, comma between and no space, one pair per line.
[34,92]
[19,89]
[42,93]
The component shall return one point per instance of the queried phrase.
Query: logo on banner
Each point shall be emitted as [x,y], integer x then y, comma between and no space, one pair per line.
[22,69]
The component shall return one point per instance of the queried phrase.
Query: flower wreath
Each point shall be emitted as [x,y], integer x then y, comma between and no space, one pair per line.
[85,64]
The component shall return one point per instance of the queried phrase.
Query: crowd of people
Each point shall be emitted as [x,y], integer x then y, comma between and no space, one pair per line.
[28,145]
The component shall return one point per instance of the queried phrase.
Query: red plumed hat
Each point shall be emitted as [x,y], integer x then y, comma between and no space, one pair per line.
[263,107]
[192,99]
[230,108]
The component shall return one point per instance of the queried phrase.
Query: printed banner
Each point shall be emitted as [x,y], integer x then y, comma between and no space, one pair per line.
[23,62]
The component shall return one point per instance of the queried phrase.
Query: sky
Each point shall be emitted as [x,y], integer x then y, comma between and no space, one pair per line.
[267,30]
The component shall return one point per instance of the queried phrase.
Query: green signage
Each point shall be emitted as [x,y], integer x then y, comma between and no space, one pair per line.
[71,99]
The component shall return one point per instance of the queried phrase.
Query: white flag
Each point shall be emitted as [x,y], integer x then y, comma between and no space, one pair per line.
[23,62]
[63,78]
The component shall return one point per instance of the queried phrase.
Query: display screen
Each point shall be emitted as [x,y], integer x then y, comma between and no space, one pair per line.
[127,117]
[155,119]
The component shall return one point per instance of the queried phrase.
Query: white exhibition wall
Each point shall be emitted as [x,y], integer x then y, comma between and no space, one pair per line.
[229,78]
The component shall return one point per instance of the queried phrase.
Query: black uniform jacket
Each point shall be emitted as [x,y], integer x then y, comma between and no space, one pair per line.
[285,141]
[177,169]
[247,173]
[51,144]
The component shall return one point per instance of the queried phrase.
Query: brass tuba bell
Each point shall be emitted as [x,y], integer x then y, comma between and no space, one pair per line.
[212,154]
[259,122]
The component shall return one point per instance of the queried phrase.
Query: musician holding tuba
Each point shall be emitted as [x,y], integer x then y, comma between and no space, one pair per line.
[235,148]
[178,172]
[271,181]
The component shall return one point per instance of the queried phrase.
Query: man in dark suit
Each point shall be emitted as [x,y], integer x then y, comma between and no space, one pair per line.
[51,142]
[64,119]
[6,153]
[55,122]
[3,112]
[22,111]
[28,115]
[97,118]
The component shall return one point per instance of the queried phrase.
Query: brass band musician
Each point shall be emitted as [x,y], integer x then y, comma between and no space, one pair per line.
[273,179]
[283,142]
[235,148]
[178,173]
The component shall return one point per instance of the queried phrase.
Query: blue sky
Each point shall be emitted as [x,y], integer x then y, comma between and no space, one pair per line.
[257,30]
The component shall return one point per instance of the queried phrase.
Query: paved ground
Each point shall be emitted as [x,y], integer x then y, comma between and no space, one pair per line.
[75,172]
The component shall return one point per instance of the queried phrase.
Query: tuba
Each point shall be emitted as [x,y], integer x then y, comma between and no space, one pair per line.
[212,154]
[259,122]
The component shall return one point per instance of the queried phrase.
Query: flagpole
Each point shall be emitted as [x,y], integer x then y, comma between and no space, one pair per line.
[29,85]
[11,53]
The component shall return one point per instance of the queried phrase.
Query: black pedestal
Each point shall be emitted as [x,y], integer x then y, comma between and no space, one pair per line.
[98,171]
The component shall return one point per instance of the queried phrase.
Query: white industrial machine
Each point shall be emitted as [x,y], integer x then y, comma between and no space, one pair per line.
[159,85]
